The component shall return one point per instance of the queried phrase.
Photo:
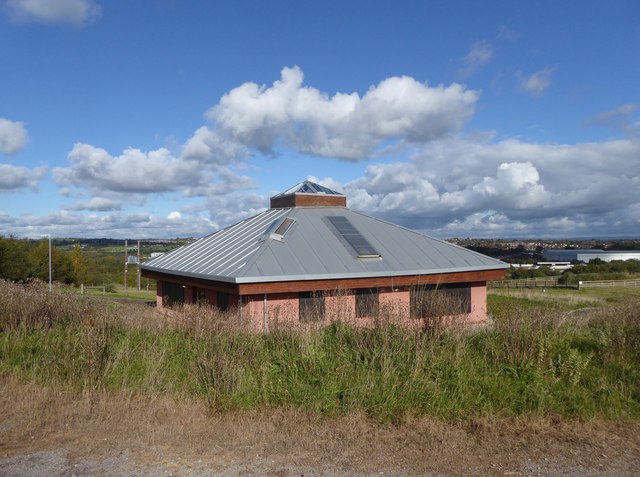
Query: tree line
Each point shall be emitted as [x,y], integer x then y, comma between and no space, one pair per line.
[22,260]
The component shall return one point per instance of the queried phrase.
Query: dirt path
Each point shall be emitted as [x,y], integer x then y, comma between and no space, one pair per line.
[44,432]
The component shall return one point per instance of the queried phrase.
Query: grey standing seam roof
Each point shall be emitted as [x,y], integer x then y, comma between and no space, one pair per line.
[311,249]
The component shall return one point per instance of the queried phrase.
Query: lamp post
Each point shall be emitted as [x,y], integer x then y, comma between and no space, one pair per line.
[49,235]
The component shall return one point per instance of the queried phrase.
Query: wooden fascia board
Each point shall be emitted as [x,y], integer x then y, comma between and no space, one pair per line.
[324,285]
[373,282]
[230,288]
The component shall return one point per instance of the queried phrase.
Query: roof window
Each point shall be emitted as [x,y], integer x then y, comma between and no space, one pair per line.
[277,229]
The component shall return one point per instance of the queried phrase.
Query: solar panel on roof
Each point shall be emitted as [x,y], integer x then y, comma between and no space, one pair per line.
[354,238]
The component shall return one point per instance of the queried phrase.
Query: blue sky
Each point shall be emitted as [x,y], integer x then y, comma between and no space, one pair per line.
[167,118]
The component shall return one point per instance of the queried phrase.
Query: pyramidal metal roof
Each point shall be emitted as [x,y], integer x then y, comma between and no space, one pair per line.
[308,246]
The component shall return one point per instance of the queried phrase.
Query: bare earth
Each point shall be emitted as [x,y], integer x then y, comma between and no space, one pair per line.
[45,432]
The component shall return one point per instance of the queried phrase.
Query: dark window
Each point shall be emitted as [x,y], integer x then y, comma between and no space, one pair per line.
[311,306]
[442,300]
[367,301]
[199,296]
[222,301]
[173,294]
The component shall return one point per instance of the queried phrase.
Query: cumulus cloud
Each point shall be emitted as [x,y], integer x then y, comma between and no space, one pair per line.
[69,12]
[287,114]
[139,172]
[206,145]
[13,136]
[345,126]
[132,171]
[451,184]
[480,53]
[537,83]
[14,178]
[508,186]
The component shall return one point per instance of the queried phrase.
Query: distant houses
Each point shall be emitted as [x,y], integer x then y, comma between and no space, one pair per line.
[309,257]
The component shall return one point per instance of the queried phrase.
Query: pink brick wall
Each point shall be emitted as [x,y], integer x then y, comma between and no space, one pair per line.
[283,308]
[478,302]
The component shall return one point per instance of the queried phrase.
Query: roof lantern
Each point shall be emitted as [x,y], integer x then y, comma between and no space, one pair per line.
[308,194]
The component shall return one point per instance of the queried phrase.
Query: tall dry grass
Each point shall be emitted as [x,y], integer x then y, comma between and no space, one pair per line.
[535,361]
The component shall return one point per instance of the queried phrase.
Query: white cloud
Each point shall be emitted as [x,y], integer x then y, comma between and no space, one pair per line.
[13,136]
[15,178]
[451,185]
[70,12]
[133,176]
[480,53]
[139,172]
[133,171]
[537,83]
[102,204]
[206,145]
[528,188]
[345,126]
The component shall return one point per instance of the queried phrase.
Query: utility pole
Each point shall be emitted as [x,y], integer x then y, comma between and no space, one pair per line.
[138,270]
[126,258]
[49,235]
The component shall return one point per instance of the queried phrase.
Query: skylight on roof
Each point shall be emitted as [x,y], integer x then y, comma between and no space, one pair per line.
[355,239]
[277,229]
[284,226]
[308,187]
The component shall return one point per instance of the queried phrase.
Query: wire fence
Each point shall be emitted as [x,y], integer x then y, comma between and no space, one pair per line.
[552,282]
[540,282]
[609,284]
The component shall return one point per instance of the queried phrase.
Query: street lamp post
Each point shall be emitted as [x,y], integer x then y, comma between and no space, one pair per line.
[49,235]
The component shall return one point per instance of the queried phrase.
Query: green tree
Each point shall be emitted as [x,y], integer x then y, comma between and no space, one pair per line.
[79,265]
[14,261]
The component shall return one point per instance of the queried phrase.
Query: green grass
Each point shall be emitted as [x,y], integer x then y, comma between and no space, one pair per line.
[535,361]
[562,298]
[118,291]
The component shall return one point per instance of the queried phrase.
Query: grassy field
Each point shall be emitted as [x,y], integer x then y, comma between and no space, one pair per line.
[119,292]
[538,359]
[561,298]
